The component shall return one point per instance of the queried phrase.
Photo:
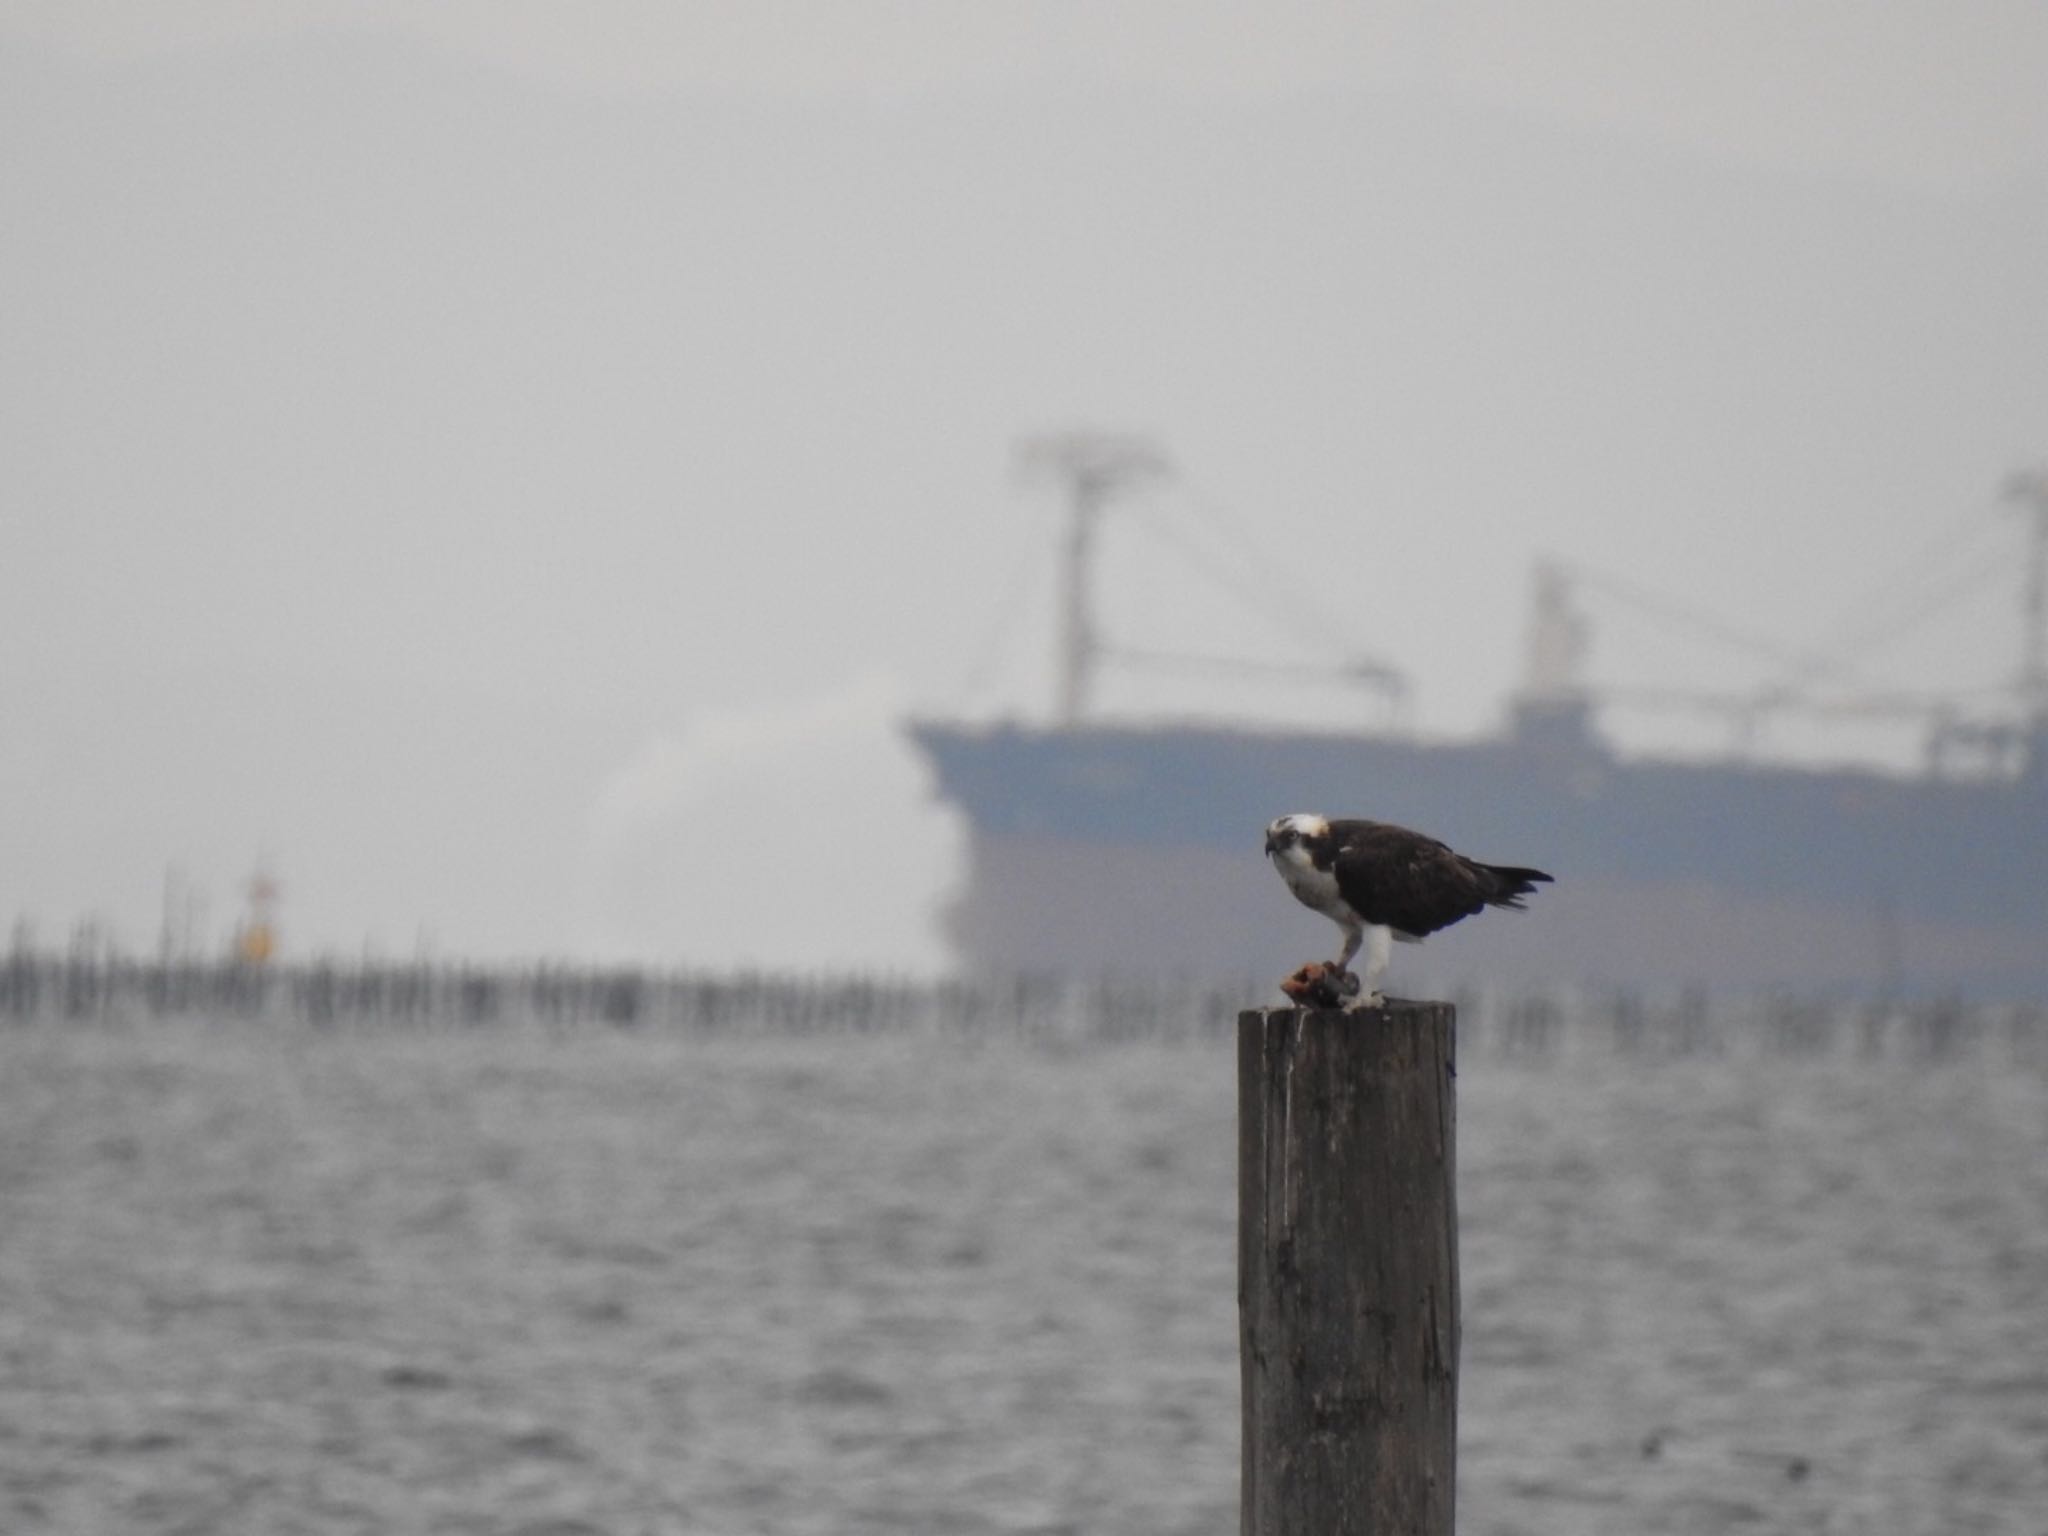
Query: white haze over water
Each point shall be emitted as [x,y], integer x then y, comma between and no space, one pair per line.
[803,835]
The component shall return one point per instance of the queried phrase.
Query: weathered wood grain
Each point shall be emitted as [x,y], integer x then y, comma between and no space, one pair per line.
[1348,1270]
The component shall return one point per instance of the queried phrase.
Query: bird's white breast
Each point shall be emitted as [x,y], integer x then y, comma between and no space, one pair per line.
[1312,887]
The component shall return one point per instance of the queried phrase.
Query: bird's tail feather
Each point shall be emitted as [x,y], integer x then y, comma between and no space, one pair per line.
[1514,883]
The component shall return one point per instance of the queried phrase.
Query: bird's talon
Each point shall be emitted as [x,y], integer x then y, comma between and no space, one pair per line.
[1319,985]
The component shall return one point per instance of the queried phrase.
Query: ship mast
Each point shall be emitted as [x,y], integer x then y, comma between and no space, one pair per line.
[1093,467]
[2030,488]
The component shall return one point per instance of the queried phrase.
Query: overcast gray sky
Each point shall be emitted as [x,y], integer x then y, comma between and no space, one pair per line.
[509,465]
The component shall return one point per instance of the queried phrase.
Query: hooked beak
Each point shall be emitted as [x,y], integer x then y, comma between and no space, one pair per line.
[1270,844]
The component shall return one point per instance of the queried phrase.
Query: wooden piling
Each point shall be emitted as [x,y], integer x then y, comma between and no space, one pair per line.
[1348,1270]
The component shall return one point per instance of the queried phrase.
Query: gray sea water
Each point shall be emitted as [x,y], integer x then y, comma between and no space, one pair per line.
[276,1279]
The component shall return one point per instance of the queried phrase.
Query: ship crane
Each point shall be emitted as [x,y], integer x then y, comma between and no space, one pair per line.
[1554,684]
[1953,744]
[1094,469]
[2030,489]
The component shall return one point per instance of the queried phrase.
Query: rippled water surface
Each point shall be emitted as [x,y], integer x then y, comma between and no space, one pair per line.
[504,1281]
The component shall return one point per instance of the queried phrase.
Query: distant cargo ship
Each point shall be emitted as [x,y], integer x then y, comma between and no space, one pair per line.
[1110,847]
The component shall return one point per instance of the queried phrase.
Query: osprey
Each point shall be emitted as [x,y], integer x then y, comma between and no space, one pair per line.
[1381,883]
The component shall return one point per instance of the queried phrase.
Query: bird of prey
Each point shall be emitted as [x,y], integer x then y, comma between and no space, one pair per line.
[1380,882]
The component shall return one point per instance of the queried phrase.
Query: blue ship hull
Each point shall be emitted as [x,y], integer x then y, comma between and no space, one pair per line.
[1136,849]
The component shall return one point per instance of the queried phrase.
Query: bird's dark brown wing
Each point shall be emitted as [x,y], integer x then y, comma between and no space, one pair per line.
[1412,883]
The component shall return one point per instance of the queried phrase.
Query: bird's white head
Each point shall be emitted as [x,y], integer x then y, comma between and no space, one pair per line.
[1285,835]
